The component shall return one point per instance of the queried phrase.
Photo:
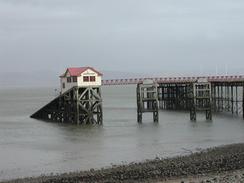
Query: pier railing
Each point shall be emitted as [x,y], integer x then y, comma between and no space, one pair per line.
[129,81]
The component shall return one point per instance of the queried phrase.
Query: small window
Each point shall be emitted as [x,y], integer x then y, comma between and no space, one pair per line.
[92,78]
[68,79]
[74,79]
[86,78]
[63,85]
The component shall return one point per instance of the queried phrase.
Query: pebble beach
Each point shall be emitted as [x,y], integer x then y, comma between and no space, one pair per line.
[218,164]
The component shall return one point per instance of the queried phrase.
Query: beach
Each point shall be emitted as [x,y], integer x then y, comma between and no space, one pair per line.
[211,164]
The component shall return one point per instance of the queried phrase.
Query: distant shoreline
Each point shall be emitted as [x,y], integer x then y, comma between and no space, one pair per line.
[209,161]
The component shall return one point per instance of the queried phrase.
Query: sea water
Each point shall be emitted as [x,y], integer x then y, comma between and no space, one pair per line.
[30,147]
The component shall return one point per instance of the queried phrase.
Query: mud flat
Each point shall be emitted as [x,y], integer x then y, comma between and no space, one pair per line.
[205,164]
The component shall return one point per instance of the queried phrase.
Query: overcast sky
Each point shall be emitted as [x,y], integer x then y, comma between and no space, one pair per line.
[122,35]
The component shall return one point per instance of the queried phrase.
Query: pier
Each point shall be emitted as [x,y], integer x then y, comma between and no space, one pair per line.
[206,93]
[80,100]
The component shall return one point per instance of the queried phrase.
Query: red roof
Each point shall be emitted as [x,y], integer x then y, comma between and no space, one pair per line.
[77,71]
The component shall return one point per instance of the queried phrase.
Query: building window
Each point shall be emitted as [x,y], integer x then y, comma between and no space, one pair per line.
[92,78]
[86,78]
[63,85]
[74,78]
[68,79]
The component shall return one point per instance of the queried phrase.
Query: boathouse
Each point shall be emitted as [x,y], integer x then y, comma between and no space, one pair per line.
[80,99]
[80,77]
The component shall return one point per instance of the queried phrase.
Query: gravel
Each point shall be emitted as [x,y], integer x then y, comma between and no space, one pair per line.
[236,176]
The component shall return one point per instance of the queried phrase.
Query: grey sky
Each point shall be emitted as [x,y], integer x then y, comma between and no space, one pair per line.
[125,35]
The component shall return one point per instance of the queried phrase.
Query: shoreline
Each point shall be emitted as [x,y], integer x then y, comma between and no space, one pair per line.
[216,160]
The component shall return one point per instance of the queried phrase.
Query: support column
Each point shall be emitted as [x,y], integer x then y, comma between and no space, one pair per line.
[74,106]
[243,100]
[147,99]
[202,99]
[139,104]
[222,98]
[218,98]
[232,100]
[192,104]
[236,99]
[77,106]
[228,98]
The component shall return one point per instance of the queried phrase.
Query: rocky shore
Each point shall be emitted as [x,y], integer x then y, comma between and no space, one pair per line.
[213,161]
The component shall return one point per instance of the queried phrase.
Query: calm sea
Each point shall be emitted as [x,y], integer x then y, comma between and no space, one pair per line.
[30,147]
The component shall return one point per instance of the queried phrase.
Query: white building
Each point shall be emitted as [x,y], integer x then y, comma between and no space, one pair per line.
[80,76]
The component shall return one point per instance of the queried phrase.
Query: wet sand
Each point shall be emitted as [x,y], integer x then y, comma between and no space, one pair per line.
[206,164]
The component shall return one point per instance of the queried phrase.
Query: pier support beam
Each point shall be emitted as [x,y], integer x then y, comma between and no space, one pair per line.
[147,100]
[243,100]
[201,99]
[173,96]
[79,105]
